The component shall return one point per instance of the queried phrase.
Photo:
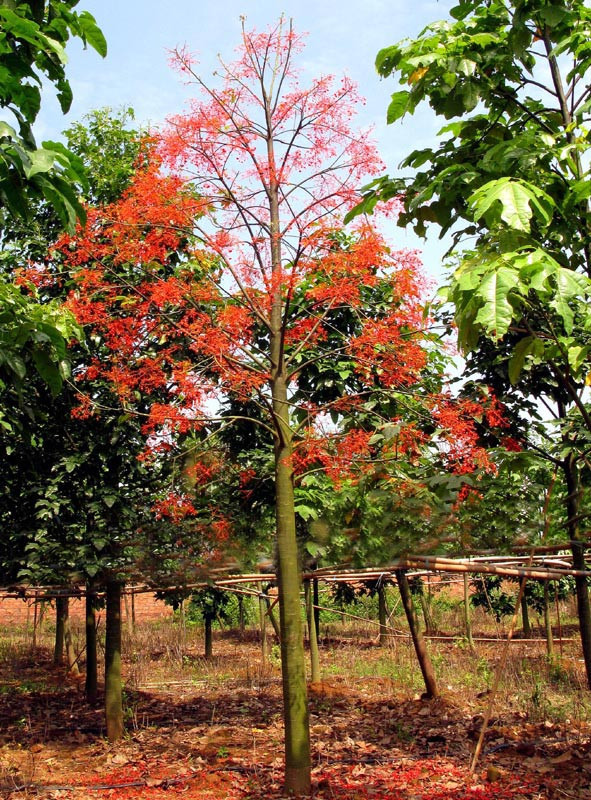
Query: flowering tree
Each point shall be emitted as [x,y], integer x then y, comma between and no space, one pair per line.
[275,310]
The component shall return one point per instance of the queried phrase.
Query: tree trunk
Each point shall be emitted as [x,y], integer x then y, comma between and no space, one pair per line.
[467,617]
[314,654]
[71,659]
[91,684]
[316,607]
[298,765]
[426,609]
[35,620]
[128,614]
[263,625]
[113,688]
[293,671]
[208,636]
[382,614]
[273,618]
[417,638]
[525,618]
[61,612]
[548,622]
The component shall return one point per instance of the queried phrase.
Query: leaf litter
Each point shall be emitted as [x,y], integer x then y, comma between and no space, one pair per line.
[224,740]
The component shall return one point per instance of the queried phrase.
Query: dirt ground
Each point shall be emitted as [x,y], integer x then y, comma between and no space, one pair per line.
[212,729]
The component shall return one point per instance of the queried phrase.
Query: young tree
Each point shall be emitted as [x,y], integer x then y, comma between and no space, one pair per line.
[510,181]
[274,310]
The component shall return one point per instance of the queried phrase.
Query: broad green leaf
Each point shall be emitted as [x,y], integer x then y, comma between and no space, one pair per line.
[40,161]
[92,33]
[398,107]
[517,360]
[48,370]
[497,312]
[16,364]
[569,285]
[577,356]
[517,201]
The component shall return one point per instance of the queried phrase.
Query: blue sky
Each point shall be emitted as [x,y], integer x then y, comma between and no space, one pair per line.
[343,37]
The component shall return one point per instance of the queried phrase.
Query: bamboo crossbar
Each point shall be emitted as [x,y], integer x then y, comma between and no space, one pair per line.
[503,565]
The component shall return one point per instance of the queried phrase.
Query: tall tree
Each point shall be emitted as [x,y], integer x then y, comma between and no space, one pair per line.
[273,308]
[509,180]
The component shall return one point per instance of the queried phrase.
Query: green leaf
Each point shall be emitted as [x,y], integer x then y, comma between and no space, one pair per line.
[496,314]
[569,285]
[92,33]
[48,370]
[514,201]
[577,356]
[517,360]
[40,161]
[399,105]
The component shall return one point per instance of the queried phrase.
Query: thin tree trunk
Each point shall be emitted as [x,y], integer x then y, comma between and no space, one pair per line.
[273,618]
[182,629]
[382,614]
[548,622]
[417,638]
[467,616]
[263,625]
[314,654]
[207,619]
[71,659]
[316,607]
[91,684]
[426,609]
[61,610]
[525,618]
[128,614]
[113,688]
[35,620]
[295,698]
[298,764]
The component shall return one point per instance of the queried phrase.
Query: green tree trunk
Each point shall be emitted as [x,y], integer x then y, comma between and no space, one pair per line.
[295,699]
[71,659]
[525,618]
[417,638]
[314,654]
[263,626]
[467,616]
[273,619]
[61,612]
[426,609]
[91,684]
[316,607]
[35,621]
[548,622]
[382,614]
[113,687]
[128,615]
[208,619]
